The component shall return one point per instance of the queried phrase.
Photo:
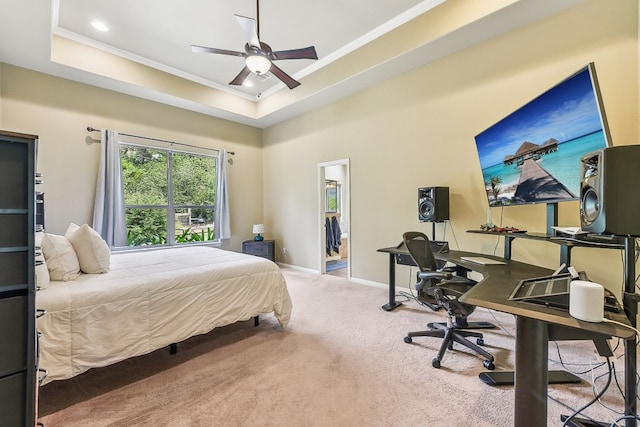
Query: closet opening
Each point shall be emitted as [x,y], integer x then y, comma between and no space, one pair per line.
[334,218]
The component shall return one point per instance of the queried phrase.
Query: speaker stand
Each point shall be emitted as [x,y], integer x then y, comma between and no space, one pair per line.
[552,218]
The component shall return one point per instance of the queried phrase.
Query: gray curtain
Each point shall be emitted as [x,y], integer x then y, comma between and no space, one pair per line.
[222,223]
[108,210]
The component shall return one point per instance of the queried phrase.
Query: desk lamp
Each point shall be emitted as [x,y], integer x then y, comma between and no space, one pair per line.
[257,230]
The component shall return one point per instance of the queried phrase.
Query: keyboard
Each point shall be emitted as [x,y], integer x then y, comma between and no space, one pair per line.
[482,260]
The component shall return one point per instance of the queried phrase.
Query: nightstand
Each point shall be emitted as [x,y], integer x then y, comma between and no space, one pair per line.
[263,248]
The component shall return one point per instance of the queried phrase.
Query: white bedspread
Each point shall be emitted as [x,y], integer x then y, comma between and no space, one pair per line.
[149,300]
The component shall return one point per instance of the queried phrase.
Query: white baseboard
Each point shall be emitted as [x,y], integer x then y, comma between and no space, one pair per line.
[296,267]
[353,279]
[369,283]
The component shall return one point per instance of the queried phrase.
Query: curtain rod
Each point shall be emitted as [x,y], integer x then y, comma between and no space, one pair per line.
[92,129]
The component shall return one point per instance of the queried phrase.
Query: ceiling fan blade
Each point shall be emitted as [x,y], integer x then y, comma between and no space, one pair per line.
[204,49]
[304,53]
[240,77]
[248,26]
[284,77]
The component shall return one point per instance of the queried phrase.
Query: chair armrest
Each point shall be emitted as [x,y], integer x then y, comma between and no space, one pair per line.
[442,275]
[426,276]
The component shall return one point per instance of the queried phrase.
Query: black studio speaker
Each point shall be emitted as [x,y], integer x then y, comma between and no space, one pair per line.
[433,204]
[609,192]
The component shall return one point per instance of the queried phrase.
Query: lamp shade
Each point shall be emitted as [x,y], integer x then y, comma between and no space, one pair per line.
[258,228]
[258,64]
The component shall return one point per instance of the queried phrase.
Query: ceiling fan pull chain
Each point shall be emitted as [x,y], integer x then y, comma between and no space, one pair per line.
[258,18]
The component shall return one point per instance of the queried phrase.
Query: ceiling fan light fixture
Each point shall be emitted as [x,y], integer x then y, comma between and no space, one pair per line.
[259,56]
[258,64]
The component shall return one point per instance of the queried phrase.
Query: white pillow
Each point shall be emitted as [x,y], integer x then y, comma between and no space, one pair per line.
[42,272]
[93,252]
[61,259]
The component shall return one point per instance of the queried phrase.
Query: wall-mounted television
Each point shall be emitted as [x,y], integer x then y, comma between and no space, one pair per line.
[533,155]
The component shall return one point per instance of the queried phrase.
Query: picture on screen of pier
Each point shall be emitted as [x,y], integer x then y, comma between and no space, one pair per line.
[533,155]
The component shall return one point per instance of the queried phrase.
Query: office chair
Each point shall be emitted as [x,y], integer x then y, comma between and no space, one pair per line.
[444,288]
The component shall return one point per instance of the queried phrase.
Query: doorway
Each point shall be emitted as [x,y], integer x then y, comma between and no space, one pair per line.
[334,219]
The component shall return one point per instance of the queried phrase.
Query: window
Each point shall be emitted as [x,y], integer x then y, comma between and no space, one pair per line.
[169,195]
[332,200]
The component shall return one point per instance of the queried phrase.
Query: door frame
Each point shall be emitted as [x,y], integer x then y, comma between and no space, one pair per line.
[322,232]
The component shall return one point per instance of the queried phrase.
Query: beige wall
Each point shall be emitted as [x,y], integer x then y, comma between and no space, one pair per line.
[59,111]
[411,131]
[418,130]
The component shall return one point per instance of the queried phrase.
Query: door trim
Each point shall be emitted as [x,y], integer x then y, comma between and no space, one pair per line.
[322,232]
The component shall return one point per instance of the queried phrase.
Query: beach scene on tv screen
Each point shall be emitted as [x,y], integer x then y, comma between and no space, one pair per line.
[533,155]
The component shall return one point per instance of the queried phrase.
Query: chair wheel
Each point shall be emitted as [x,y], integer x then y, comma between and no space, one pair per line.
[408,340]
[480,341]
[488,364]
[435,363]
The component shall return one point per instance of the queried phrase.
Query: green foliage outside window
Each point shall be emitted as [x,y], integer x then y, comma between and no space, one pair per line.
[146,226]
[148,195]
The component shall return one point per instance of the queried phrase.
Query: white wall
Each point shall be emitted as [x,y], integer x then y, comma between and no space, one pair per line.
[418,130]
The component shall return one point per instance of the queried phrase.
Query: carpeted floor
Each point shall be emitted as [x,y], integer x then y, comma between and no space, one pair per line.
[341,362]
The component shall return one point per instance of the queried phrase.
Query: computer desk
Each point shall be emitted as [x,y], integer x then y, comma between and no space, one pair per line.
[536,325]
[402,254]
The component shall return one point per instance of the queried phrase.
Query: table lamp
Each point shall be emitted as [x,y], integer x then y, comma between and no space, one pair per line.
[257,229]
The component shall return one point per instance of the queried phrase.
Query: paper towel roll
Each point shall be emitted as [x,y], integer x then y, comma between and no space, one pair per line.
[586,301]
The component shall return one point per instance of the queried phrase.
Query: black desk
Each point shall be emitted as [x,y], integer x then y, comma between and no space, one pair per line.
[630,299]
[537,323]
[394,252]
[400,255]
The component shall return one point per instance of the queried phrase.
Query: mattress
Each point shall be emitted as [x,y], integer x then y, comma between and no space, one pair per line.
[150,299]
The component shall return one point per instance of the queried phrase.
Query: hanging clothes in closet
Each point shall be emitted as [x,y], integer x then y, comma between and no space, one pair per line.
[334,235]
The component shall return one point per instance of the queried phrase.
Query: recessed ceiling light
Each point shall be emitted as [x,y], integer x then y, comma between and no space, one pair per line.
[100,26]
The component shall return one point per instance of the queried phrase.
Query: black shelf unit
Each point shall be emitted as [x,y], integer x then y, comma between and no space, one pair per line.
[566,243]
[18,358]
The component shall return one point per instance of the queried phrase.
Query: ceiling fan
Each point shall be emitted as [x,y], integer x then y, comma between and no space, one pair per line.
[259,56]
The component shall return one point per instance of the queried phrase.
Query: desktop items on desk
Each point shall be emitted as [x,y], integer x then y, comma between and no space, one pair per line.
[586,301]
[581,236]
[570,291]
[498,229]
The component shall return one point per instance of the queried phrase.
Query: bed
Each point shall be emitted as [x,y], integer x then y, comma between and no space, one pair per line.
[152,299]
